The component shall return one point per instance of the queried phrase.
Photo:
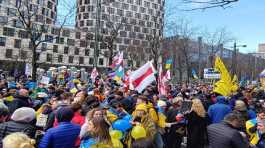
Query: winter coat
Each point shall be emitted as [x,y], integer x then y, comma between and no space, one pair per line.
[63,136]
[223,135]
[197,130]
[9,127]
[18,102]
[217,111]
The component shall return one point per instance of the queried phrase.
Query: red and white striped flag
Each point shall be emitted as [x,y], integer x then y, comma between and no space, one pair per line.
[117,60]
[143,77]
[167,76]
[94,74]
[161,82]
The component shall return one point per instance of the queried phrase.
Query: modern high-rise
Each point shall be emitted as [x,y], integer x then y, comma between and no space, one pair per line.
[129,23]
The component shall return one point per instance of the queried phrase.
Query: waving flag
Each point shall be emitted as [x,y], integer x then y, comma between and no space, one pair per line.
[117,60]
[94,74]
[169,63]
[119,74]
[224,85]
[194,75]
[161,82]
[143,77]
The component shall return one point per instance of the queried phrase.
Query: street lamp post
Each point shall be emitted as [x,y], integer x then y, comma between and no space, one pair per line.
[234,57]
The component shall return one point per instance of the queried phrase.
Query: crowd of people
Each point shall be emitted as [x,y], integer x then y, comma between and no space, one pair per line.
[105,115]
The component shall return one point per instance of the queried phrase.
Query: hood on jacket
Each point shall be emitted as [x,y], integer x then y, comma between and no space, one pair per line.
[220,99]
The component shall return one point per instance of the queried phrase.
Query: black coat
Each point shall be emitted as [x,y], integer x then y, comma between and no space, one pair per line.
[196,131]
[18,102]
[223,135]
[9,127]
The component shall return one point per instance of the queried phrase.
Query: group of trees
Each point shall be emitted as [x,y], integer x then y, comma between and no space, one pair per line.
[182,31]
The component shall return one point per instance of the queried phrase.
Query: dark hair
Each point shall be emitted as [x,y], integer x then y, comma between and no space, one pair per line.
[65,114]
[143,143]
[76,106]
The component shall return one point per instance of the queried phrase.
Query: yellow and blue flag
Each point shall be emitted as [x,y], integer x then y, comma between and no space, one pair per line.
[169,63]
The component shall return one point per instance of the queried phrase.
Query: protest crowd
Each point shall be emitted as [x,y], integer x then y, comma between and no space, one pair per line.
[70,110]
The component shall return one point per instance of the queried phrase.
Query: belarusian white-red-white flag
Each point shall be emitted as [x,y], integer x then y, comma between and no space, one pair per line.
[117,60]
[161,82]
[94,74]
[167,76]
[143,77]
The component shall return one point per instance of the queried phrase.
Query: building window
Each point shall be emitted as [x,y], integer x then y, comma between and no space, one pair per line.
[66,33]
[83,43]
[71,59]
[61,40]
[142,10]
[2,41]
[49,57]
[91,61]
[49,38]
[89,22]
[8,31]
[11,12]
[76,51]
[77,35]
[71,42]
[44,46]
[55,31]
[90,8]
[83,8]
[92,45]
[49,5]
[60,58]
[3,19]
[23,54]
[17,23]
[22,34]
[85,16]
[17,43]
[66,50]
[120,12]
[9,53]
[55,48]
[136,29]
[87,52]
[87,1]
[101,61]
[38,56]
[128,14]
[81,60]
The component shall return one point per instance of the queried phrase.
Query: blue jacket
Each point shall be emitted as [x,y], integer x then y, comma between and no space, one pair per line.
[218,110]
[63,136]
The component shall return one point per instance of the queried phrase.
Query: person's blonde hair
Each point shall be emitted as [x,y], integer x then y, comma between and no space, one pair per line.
[18,140]
[198,108]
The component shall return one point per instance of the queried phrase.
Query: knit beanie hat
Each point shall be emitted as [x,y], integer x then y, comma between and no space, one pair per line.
[24,114]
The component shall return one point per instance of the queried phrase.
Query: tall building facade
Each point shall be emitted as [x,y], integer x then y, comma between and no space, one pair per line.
[130,23]
[261,47]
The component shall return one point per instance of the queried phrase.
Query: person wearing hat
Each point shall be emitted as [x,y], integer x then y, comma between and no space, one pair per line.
[217,111]
[22,120]
[141,117]
[63,136]
[21,100]
[176,132]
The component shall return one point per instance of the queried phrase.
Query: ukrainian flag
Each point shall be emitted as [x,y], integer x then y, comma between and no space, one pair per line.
[169,63]
[119,74]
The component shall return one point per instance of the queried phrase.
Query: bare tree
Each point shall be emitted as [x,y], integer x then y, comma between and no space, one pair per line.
[114,30]
[183,45]
[215,42]
[29,15]
[206,4]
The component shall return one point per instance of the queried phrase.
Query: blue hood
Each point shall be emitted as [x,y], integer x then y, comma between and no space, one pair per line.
[220,99]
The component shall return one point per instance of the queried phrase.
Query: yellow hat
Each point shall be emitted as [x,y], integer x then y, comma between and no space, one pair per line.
[76,81]
[142,107]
